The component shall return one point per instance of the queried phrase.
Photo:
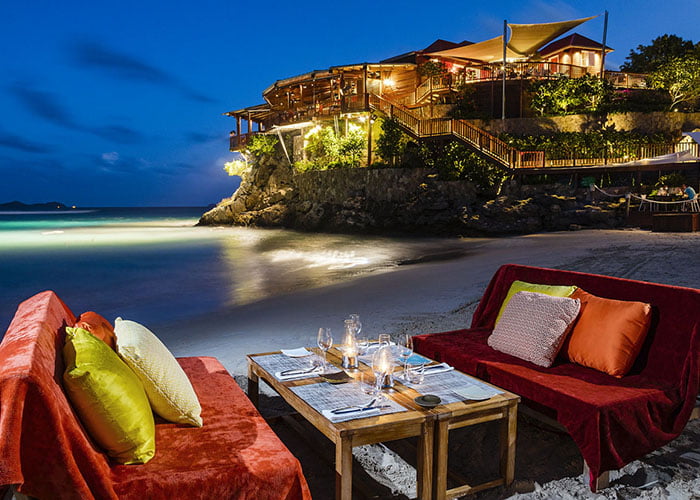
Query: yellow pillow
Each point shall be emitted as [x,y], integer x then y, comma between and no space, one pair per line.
[524,286]
[167,386]
[109,398]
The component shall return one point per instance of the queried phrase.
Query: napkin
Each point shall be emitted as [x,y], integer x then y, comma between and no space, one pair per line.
[299,352]
[440,368]
[295,375]
[359,413]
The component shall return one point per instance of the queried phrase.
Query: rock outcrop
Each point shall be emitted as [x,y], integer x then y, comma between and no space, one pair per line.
[395,201]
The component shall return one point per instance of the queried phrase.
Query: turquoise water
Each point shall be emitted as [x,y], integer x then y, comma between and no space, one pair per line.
[152,265]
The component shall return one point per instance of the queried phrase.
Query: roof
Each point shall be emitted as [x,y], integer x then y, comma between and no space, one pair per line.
[439,44]
[573,40]
[524,41]
[693,135]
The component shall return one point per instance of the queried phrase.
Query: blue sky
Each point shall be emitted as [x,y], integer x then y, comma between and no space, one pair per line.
[120,103]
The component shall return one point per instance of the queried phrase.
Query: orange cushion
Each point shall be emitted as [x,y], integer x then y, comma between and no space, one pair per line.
[99,327]
[608,334]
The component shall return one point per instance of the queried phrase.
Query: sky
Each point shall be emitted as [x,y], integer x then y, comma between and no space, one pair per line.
[121,103]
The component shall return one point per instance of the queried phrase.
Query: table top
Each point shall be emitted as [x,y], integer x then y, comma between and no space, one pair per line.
[403,394]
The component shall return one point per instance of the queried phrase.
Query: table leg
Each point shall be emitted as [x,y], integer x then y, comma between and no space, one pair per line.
[343,469]
[424,470]
[508,433]
[253,386]
[440,477]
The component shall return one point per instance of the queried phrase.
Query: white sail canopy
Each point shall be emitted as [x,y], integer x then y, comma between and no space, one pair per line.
[524,41]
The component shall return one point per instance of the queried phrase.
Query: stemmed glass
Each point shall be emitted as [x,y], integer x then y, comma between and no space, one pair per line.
[358,324]
[405,351]
[324,339]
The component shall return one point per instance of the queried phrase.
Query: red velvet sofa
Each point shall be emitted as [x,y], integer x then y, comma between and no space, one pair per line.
[612,420]
[46,453]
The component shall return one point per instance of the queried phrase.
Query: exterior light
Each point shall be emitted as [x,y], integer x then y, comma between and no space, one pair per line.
[388,82]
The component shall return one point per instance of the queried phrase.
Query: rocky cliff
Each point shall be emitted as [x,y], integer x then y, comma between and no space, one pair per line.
[393,201]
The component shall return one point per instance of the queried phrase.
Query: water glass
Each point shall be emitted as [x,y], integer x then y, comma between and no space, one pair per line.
[415,374]
[324,340]
[369,383]
[384,338]
[405,349]
[362,345]
[356,321]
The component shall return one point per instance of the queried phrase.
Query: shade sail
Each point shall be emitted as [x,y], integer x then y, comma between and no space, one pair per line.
[524,41]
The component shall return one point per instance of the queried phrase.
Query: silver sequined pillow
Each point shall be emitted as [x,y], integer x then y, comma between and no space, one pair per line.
[533,326]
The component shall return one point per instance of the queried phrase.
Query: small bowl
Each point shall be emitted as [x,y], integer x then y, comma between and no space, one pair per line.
[428,400]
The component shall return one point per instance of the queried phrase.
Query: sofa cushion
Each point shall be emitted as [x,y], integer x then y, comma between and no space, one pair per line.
[608,334]
[234,455]
[98,326]
[533,326]
[524,286]
[169,390]
[109,398]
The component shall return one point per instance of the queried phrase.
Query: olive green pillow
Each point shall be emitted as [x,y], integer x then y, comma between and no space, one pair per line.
[524,286]
[109,398]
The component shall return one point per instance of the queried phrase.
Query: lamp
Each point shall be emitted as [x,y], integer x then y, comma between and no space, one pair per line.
[383,365]
[349,346]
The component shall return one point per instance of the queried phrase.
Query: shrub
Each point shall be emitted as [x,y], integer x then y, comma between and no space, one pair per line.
[261,145]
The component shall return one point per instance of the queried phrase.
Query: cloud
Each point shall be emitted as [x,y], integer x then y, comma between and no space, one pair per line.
[20,144]
[47,106]
[111,158]
[201,138]
[126,67]
[44,105]
[117,133]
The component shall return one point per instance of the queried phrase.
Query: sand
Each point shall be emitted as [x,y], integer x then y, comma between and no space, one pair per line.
[440,296]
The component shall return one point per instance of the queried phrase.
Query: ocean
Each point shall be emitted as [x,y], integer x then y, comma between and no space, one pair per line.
[153,265]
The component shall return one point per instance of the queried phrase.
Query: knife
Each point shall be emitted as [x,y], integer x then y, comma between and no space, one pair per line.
[342,411]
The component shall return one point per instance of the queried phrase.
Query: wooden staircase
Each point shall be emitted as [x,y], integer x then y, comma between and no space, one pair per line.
[483,143]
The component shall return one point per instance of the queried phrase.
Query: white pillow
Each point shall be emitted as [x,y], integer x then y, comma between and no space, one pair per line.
[168,389]
[533,326]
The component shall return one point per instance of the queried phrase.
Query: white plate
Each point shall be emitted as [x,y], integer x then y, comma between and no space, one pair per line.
[299,352]
[475,393]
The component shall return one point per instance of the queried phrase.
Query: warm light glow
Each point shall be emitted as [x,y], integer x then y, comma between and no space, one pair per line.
[388,82]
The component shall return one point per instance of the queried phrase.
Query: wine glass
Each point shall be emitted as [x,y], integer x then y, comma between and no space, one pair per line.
[405,351]
[384,339]
[324,339]
[362,345]
[358,324]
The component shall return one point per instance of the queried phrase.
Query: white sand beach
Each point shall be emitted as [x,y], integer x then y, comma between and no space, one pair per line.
[439,296]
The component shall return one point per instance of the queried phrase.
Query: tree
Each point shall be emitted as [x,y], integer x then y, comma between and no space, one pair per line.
[570,95]
[392,141]
[680,78]
[663,49]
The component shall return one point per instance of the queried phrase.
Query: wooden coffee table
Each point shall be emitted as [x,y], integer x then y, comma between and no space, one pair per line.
[414,422]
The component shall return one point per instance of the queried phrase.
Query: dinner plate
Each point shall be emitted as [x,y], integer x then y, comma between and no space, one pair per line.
[428,400]
[475,394]
[297,353]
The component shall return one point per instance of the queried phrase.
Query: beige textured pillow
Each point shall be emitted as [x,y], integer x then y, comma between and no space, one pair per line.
[533,326]
[169,390]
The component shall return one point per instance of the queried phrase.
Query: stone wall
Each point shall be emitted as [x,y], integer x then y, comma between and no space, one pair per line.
[393,201]
[646,123]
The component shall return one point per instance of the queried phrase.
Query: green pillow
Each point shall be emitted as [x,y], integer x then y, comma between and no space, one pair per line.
[109,398]
[524,286]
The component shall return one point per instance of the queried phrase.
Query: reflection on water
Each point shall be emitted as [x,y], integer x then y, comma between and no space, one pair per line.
[164,268]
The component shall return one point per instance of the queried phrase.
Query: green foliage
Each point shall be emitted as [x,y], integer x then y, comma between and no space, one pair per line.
[671,180]
[562,96]
[391,142]
[644,100]
[304,166]
[432,68]
[261,145]
[455,161]
[607,142]
[680,77]
[465,105]
[327,149]
[236,167]
[662,50]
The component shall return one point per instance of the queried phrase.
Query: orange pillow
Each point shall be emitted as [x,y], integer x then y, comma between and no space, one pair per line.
[99,327]
[608,334]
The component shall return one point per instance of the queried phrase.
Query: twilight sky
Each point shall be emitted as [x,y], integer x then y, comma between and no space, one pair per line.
[120,103]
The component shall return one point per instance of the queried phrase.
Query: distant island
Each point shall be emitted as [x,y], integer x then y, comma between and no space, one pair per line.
[19,206]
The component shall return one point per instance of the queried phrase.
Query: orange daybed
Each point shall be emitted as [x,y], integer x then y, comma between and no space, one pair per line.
[46,453]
